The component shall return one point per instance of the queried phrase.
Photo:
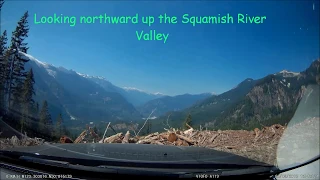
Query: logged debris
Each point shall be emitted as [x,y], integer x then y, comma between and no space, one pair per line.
[14,141]
[114,139]
[126,138]
[258,144]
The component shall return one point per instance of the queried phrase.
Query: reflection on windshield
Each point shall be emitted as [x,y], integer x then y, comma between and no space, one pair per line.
[178,94]
[300,141]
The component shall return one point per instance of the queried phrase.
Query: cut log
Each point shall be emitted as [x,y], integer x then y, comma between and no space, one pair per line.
[231,147]
[126,138]
[214,137]
[257,132]
[150,135]
[155,137]
[65,139]
[157,142]
[188,132]
[81,136]
[144,141]
[180,142]
[133,140]
[194,133]
[190,141]
[172,137]
[113,139]
[204,139]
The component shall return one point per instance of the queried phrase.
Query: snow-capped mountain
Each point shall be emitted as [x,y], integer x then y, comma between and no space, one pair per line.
[75,96]
[139,90]
[286,73]
[134,96]
[84,97]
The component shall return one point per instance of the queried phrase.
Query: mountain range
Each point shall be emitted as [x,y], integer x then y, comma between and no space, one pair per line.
[171,103]
[83,98]
[253,102]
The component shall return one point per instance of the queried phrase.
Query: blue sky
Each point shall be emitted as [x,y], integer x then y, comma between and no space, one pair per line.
[205,58]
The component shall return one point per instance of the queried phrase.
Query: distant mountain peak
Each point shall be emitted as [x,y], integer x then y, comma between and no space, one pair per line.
[244,82]
[44,64]
[139,90]
[132,88]
[158,93]
[286,73]
[213,93]
[88,76]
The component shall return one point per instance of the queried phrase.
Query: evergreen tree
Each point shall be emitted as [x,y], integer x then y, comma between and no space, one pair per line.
[59,127]
[16,68]
[35,115]
[3,69]
[95,129]
[149,126]
[27,101]
[1,4]
[188,121]
[45,122]
[37,107]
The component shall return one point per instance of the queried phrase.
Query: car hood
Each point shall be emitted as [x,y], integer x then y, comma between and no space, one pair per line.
[135,153]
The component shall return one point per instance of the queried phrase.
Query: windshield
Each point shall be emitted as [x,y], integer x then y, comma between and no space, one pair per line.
[239,78]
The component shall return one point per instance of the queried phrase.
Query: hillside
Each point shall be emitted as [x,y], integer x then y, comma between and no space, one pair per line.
[253,103]
[273,99]
[207,109]
[78,98]
[170,103]
[134,96]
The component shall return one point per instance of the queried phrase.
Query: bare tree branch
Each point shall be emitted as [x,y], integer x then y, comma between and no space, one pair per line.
[145,122]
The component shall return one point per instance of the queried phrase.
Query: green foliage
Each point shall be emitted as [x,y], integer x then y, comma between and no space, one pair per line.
[147,129]
[95,129]
[27,102]
[59,126]
[17,62]
[3,69]
[45,122]
[17,104]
